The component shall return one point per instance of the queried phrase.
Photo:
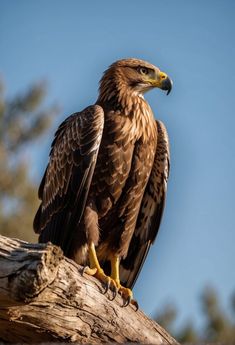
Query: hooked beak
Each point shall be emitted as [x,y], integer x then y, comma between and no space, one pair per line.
[163,82]
[166,84]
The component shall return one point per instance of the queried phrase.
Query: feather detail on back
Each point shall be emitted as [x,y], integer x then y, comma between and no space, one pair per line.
[72,161]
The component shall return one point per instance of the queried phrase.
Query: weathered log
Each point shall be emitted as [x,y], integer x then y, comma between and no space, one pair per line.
[44,297]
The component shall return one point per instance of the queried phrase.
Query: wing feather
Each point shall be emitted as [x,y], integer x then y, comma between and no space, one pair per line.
[151,211]
[65,184]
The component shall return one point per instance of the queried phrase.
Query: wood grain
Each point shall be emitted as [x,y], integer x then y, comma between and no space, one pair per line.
[44,297]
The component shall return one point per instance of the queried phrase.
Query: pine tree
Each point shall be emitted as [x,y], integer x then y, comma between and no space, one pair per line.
[219,325]
[23,120]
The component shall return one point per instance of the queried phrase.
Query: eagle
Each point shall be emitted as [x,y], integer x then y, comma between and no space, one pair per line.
[104,189]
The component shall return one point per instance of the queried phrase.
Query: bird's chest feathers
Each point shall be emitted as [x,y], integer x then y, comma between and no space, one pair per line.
[122,133]
[143,125]
[128,144]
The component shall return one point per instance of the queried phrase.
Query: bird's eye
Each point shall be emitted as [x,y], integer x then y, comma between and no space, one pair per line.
[143,70]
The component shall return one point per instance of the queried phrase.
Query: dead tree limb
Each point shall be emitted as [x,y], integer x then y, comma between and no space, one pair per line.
[43,297]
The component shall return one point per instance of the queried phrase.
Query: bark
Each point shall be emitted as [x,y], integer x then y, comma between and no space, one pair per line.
[44,297]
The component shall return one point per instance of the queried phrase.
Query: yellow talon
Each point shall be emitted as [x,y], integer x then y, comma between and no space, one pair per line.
[96,271]
[126,293]
[112,282]
[90,271]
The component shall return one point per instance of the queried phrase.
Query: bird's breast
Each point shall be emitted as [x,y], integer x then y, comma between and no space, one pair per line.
[119,143]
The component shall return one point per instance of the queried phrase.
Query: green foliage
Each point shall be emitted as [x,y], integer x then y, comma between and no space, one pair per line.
[219,326]
[22,122]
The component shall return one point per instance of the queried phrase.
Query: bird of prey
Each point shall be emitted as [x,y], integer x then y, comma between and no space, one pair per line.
[104,188]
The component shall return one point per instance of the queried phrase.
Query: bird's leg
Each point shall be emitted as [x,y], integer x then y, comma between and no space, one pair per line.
[126,293]
[95,270]
[93,261]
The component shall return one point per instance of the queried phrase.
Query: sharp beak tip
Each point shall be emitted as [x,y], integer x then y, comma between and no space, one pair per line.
[167,85]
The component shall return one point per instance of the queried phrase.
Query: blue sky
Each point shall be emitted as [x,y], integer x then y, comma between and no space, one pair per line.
[70,43]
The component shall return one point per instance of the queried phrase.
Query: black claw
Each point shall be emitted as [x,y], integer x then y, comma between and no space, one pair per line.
[114,291]
[135,304]
[127,302]
[83,270]
[107,286]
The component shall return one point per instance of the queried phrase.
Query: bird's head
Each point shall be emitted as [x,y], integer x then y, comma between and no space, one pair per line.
[141,75]
[133,75]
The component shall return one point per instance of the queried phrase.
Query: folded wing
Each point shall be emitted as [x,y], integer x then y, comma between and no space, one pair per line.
[66,182]
[150,213]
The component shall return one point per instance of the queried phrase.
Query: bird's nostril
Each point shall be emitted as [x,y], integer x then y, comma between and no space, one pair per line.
[163,77]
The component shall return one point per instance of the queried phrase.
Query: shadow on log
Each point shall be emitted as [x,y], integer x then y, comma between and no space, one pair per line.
[43,297]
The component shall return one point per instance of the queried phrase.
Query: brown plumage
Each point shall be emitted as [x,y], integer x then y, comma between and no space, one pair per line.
[104,188]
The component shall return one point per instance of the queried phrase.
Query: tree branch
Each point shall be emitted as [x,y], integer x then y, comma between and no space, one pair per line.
[43,297]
